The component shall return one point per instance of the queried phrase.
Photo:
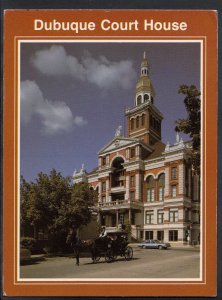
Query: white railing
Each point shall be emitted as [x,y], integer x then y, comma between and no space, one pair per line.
[117,203]
[119,188]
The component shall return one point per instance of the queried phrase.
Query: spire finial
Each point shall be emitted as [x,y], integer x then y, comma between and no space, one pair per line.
[144,55]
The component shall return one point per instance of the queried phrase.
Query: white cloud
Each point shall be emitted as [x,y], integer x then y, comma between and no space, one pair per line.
[102,72]
[55,117]
[79,121]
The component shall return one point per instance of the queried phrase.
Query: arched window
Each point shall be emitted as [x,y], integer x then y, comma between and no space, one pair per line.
[161,186]
[143,120]
[137,121]
[139,99]
[150,189]
[132,124]
[146,98]
[118,172]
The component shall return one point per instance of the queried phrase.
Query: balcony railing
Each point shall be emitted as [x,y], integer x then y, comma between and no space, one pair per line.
[118,203]
[116,189]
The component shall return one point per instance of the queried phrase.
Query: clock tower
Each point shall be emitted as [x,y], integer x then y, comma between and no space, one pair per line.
[144,119]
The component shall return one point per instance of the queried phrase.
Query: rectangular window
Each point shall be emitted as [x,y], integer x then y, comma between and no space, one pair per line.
[186,215]
[121,218]
[132,181]
[150,195]
[160,217]
[103,186]
[173,235]
[174,173]
[104,161]
[132,152]
[161,193]
[103,199]
[132,196]
[173,191]
[160,235]
[173,216]
[141,234]
[149,217]
[103,220]
[148,235]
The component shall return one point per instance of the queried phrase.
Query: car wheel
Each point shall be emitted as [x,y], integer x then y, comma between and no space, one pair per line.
[160,247]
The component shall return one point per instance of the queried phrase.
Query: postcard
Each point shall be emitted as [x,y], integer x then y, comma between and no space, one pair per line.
[110,153]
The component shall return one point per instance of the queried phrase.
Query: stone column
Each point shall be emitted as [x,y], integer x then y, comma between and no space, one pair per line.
[127,187]
[127,154]
[181,179]
[100,161]
[166,235]
[180,235]
[156,190]
[137,151]
[117,218]
[167,182]
[138,190]
[181,214]
[107,159]
[99,191]
[107,190]
[189,182]
[129,215]
[155,216]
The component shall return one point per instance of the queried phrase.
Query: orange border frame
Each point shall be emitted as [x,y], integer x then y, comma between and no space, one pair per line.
[19,25]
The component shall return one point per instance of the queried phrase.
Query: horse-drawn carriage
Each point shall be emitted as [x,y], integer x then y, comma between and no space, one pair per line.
[111,244]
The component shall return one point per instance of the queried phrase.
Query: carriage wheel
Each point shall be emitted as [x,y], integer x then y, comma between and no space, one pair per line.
[109,256]
[128,253]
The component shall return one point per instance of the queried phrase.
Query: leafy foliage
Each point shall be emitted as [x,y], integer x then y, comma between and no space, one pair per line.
[52,202]
[192,124]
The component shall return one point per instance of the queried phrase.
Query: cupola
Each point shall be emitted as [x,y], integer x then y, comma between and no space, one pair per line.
[144,88]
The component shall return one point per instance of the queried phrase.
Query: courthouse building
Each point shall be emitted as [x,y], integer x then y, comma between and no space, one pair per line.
[141,181]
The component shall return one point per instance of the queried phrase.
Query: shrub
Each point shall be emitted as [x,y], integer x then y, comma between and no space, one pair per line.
[31,244]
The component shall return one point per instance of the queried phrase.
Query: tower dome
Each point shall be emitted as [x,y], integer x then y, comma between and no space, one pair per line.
[144,88]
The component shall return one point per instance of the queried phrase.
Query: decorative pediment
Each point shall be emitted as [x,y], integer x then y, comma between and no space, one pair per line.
[117,143]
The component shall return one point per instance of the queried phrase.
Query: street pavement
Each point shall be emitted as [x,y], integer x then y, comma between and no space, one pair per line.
[146,263]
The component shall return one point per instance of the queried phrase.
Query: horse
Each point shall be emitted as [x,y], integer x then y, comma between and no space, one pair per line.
[90,246]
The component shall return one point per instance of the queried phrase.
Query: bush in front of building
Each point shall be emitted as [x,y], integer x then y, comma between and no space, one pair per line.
[32,244]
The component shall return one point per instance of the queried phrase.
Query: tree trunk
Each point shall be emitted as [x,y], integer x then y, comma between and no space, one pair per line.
[36,232]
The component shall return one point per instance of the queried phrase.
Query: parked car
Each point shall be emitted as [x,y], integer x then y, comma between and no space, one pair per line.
[153,244]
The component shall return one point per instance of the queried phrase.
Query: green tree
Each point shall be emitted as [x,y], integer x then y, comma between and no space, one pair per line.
[192,124]
[41,200]
[54,204]
[76,212]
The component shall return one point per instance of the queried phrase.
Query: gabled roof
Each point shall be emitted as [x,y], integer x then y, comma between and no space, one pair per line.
[117,143]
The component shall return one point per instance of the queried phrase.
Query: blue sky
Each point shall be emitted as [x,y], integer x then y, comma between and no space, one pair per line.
[74,95]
